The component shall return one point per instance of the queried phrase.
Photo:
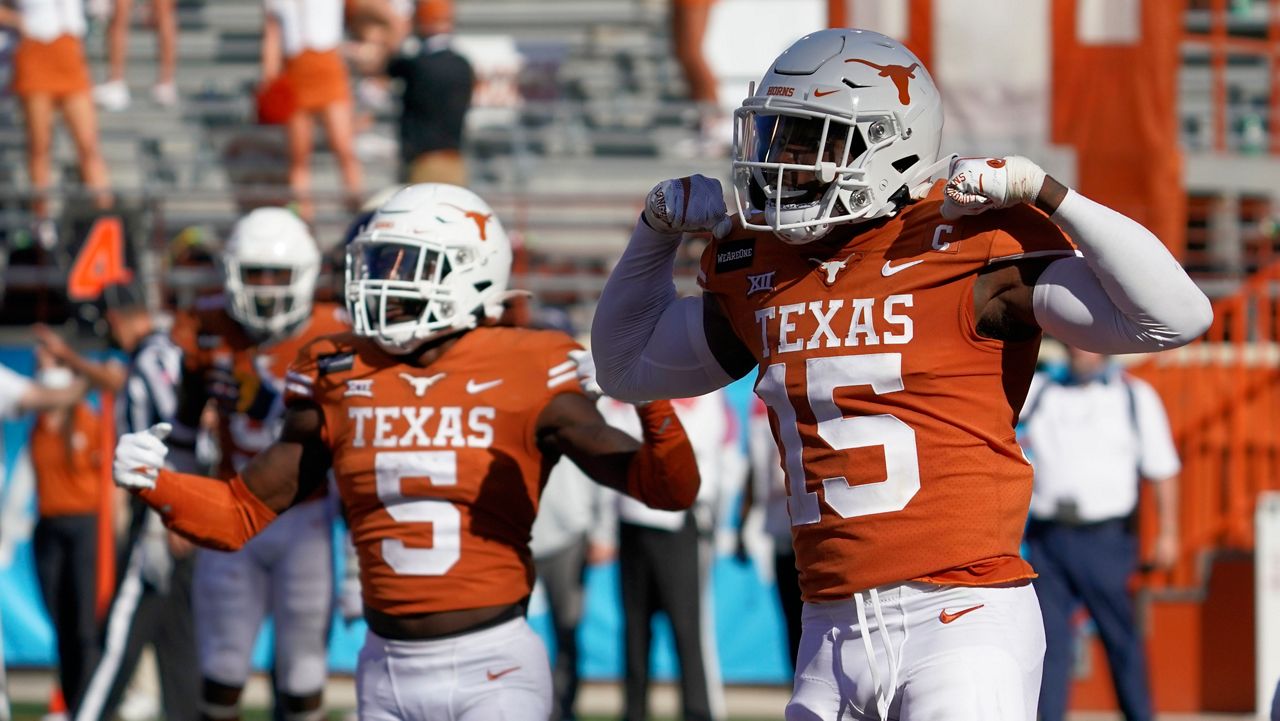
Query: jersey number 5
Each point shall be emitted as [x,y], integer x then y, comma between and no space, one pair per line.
[440,468]
[881,371]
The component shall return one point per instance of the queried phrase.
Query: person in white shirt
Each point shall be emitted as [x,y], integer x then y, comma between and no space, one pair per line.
[566,539]
[767,491]
[19,395]
[50,73]
[1092,432]
[665,557]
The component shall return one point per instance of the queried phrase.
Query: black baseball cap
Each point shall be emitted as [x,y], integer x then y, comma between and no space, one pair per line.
[124,297]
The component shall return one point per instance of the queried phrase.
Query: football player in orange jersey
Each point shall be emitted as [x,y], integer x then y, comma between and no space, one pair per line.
[236,348]
[895,324]
[440,429]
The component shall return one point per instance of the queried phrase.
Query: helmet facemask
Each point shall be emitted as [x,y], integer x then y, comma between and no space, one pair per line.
[268,300]
[807,171]
[405,292]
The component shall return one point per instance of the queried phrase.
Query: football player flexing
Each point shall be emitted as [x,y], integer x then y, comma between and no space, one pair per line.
[236,348]
[895,324]
[440,429]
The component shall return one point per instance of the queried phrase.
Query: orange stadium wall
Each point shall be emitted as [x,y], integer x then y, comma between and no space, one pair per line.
[1200,651]
[1114,100]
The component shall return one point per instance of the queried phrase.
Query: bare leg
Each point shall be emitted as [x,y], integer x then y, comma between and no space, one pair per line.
[688,28]
[166,19]
[339,126]
[37,112]
[118,39]
[82,121]
[299,130]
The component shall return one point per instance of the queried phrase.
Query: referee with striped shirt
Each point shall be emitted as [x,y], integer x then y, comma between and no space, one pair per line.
[152,602]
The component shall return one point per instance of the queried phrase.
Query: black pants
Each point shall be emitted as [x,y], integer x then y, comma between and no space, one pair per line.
[788,580]
[1090,565]
[143,614]
[66,552]
[660,572]
[562,576]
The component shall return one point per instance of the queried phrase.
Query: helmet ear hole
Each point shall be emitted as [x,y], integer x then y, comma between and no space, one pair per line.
[903,164]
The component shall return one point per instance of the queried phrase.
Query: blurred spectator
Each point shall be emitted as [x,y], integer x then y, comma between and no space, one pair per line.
[66,449]
[688,29]
[374,26]
[435,99]
[152,604]
[192,266]
[767,487]
[664,560]
[564,543]
[114,94]
[18,394]
[1092,432]
[300,42]
[50,73]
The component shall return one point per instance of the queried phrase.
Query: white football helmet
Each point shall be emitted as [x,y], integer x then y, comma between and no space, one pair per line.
[433,260]
[271,263]
[843,127]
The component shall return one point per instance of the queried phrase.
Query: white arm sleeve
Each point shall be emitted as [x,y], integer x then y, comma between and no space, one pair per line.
[1127,294]
[648,343]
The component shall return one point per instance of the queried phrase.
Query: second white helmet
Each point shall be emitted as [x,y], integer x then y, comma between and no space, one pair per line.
[431,261]
[843,127]
[271,263]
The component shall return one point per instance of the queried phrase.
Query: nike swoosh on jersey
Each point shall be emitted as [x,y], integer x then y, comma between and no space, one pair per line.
[473,387]
[889,270]
[495,676]
[949,617]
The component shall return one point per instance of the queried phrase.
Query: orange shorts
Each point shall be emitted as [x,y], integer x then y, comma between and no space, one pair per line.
[318,79]
[57,68]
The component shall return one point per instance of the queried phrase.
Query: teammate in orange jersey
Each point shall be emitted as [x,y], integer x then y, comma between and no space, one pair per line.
[895,324]
[236,349]
[440,430]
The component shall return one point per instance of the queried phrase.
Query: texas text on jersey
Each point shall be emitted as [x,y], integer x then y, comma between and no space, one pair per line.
[244,375]
[438,467]
[888,442]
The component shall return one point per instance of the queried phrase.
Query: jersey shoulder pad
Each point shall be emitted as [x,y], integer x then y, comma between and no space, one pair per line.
[1021,231]
[544,352]
[739,253]
[318,361]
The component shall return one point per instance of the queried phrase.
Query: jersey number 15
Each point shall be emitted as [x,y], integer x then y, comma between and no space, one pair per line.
[881,371]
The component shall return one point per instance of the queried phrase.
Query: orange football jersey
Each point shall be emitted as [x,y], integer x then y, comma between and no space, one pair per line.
[438,467]
[893,417]
[245,378]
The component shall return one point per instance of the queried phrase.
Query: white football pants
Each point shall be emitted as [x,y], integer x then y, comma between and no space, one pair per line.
[286,570]
[920,652]
[495,674]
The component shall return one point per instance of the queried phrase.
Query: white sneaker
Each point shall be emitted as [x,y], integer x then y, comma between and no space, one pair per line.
[139,706]
[371,146]
[165,94]
[112,95]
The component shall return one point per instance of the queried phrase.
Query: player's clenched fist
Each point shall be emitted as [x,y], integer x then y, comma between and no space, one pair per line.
[687,205]
[140,456]
[975,185]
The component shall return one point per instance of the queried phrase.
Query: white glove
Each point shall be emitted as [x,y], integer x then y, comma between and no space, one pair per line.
[586,368]
[140,456]
[976,185]
[693,204]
